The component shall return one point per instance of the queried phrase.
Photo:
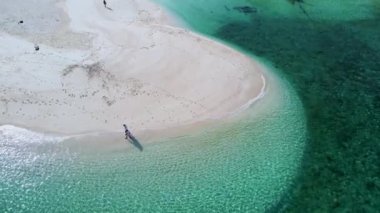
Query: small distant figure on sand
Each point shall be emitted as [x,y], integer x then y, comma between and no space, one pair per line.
[36,47]
[105,5]
[131,138]
[21,22]
[127,132]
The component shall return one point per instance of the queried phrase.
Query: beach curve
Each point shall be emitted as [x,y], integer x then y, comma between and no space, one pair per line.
[133,67]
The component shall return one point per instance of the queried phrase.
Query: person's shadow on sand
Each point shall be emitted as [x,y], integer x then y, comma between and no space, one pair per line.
[135,142]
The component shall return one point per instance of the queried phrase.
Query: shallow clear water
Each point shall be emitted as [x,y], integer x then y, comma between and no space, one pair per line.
[245,164]
[329,51]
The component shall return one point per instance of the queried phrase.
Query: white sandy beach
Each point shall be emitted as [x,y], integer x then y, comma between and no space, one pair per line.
[98,68]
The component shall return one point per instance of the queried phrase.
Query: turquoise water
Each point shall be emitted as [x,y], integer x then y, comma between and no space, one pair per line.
[245,164]
[329,51]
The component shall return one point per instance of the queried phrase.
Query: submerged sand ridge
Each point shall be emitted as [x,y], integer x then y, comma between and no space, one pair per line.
[99,68]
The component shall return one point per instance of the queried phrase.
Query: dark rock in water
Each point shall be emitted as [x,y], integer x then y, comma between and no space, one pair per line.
[296,1]
[21,22]
[245,9]
[36,47]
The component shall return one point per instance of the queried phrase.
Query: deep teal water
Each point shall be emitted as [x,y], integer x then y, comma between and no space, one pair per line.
[330,52]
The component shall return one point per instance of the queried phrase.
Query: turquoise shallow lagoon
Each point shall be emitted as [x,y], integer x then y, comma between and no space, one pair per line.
[329,51]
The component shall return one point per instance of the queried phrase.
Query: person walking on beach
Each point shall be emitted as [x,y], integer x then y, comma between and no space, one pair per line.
[105,5]
[126,131]
[131,138]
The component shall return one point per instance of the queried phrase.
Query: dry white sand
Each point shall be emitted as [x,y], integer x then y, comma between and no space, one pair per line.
[99,68]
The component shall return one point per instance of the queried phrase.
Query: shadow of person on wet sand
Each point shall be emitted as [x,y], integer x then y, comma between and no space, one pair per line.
[135,142]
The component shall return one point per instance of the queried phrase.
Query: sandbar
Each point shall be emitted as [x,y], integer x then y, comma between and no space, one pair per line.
[97,68]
